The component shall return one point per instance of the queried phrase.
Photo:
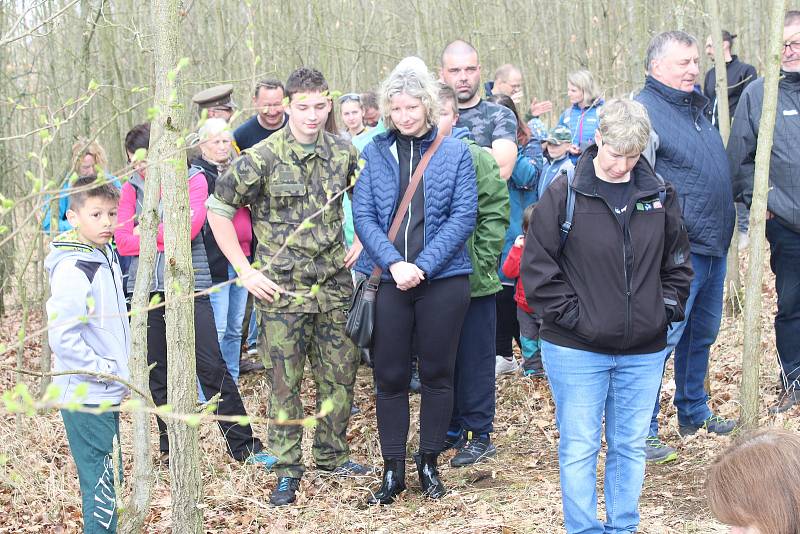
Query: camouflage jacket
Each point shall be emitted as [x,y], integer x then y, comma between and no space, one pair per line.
[285,185]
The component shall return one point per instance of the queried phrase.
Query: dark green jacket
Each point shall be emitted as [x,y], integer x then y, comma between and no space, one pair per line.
[486,243]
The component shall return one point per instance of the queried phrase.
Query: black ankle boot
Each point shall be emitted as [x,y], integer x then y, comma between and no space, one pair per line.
[394,482]
[429,480]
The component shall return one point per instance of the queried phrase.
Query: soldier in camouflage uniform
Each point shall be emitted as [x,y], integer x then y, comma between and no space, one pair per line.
[305,287]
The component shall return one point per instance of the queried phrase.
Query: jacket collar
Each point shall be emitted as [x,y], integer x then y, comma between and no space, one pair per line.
[790,80]
[585,180]
[322,148]
[676,97]
[389,137]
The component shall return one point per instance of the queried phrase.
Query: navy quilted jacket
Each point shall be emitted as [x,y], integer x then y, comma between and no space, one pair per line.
[451,207]
[690,155]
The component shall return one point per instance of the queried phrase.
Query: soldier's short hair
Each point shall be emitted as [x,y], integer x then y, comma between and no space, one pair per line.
[269,84]
[305,80]
[410,77]
[659,44]
[624,125]
[86,187]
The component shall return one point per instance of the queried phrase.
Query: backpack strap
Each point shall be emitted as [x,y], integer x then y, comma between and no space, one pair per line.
[566,226]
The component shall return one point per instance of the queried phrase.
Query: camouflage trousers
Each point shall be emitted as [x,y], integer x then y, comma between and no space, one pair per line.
[285,340]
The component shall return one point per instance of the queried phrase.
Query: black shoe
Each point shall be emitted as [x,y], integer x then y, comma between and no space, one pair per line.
[429,480]
[713,423]
[454,441]
[786,402]
[394,482]
[249,366]
[414,384]
[474,450]
[284,492]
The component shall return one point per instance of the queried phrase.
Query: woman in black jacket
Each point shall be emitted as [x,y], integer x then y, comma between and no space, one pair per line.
[606,281]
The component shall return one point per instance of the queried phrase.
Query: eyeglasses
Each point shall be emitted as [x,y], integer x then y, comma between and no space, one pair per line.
[793,46]
[355,97]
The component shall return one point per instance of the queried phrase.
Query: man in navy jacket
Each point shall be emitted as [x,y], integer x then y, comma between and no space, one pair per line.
[687,151]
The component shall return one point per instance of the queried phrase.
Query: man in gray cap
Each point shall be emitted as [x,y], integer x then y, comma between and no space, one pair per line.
[217,101]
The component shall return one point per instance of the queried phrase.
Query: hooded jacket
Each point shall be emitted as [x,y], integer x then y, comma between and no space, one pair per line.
[451,205]
[784,169]
[610,291]
[88,324]
[485,244]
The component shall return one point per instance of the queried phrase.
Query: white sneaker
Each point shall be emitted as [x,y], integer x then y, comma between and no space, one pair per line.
[503,366]
[252,351]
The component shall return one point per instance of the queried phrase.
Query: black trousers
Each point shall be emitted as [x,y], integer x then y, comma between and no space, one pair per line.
[432,314]
[507,324]
[211,372]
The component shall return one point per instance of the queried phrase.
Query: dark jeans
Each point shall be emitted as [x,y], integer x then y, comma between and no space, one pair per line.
[784,245]
[433,312]
[212,373]
[692,339]
[507,325]
[474,405]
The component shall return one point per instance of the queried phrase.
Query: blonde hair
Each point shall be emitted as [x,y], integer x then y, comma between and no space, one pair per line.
[624,125]
[410,77]
[583,80]
[84,147]
[754,483]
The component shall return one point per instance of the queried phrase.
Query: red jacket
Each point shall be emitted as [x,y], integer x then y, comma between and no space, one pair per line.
[511,270]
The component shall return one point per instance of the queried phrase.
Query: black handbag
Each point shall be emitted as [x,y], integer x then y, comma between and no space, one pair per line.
[361,316]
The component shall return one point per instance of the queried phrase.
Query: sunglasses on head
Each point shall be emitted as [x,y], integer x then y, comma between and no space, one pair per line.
[355,97]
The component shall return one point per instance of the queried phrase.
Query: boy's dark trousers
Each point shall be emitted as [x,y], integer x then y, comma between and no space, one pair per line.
[91,439]
[212,373]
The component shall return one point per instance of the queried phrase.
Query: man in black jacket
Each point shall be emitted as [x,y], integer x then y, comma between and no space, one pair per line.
[606,296]
[783,203]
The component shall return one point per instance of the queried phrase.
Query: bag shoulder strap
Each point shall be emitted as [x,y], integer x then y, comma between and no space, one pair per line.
[566,226]
[416,178]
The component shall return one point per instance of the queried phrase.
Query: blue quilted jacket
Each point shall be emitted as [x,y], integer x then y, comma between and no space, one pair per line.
[451,207]
[690,155]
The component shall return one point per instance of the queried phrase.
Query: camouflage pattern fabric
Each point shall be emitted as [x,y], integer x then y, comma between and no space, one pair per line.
[488,122]
[284,185]
[333,361]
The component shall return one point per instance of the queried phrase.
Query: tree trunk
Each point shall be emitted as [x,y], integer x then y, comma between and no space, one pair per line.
[187,516]
[751,354]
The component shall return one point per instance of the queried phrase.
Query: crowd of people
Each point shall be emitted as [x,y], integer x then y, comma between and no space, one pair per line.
[598,245]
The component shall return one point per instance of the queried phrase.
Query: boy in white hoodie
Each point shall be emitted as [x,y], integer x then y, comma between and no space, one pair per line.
[89,330]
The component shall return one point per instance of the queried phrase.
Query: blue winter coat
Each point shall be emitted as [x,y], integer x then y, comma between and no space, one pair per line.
[687,151]
[451,207]
[522,192]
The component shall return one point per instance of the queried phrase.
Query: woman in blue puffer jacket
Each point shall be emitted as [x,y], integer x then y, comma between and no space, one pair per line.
[424,290]
[581,117]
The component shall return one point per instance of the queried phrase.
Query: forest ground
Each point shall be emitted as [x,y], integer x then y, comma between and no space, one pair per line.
[515,492]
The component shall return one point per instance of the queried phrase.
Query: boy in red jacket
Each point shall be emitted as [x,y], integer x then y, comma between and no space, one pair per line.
[528,322]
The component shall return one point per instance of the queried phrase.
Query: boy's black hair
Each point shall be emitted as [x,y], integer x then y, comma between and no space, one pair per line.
[305,80]
[526,218]
[86,187]
[138,137]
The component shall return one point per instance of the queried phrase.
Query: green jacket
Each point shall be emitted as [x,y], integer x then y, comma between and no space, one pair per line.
[284,187]
[486,243]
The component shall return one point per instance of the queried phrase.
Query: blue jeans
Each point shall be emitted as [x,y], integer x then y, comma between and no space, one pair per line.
[784,245]
[586,386]
[692,339]
[229,304]
[252,330]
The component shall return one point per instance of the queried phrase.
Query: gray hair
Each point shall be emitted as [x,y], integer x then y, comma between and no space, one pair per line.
[624,125]
[410,77]
[659,44]
[212,128]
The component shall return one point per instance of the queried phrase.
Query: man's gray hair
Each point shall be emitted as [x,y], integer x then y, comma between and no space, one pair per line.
[659,44]
[410,77]
[624,125]
[791,18]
